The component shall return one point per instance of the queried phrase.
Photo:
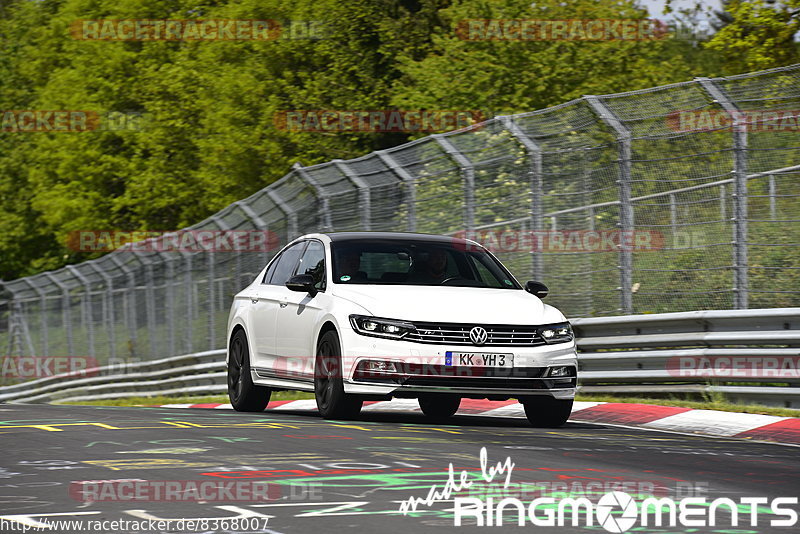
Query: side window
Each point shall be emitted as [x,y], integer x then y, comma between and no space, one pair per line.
[270,271]
[284,266]
[313,263]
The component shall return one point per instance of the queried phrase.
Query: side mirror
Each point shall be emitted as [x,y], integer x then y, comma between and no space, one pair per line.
[536,288]
[303,283]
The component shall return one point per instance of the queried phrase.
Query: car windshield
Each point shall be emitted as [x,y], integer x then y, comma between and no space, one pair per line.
[417,263]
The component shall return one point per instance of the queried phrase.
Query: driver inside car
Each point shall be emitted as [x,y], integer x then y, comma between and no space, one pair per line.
[350,262]
[432,270]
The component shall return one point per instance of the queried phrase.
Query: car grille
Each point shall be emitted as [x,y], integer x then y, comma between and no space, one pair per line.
[458,334]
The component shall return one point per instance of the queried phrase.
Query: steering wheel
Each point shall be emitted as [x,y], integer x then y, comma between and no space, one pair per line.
[443,282]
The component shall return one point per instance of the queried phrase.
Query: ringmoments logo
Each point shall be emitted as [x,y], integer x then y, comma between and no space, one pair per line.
[614,511]
[618,511]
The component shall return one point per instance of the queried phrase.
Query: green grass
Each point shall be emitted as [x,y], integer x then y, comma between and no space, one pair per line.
[714,404]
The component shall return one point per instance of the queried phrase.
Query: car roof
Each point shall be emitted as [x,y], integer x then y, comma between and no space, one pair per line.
[393,236]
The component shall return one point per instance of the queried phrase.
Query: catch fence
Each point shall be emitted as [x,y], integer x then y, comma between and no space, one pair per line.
[676,198]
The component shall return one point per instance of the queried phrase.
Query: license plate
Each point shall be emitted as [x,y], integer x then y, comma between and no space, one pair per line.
[478,359]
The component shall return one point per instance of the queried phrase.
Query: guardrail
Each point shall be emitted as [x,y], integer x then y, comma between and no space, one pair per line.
[748,356]
[200,373]
[691,352]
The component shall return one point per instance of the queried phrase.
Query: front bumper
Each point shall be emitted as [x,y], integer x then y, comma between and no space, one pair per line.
[420,370]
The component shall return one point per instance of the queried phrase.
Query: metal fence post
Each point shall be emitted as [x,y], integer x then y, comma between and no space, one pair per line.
[773,210]
[42,312]
[364,196]
[410,183]
[187,256]
[128,305]
[322,196]
[169,312]
[740,282]
[87,286]
[623,136]
[149,296]
[66,312]
[291,215]
[17,326]
[537,189]
[212,274]
[673,215]
[108,307]
[722,194]
[467,175]
[259,223]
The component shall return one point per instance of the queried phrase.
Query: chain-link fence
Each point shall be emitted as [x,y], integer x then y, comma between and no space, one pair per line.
[683,197]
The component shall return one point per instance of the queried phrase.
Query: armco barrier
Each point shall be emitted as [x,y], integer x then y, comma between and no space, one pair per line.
[632,354]
[640,354]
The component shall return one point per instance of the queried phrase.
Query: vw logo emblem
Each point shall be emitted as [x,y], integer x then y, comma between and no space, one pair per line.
[478,335]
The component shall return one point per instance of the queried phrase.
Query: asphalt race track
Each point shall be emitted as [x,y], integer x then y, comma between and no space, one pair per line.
[351,476]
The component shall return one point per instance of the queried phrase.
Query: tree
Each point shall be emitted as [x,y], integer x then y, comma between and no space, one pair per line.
[759,35]
[507,76]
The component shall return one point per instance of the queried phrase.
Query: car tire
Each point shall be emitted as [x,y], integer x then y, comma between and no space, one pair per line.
[439,407]
[547,412]
[243,394]
[332,401]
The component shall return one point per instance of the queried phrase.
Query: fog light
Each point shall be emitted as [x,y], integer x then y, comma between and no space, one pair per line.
[379,366]
[560,371]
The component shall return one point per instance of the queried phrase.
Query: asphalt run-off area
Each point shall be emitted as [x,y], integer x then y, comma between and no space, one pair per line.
[292,471]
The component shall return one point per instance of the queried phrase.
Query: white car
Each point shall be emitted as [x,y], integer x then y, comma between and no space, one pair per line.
[370,316]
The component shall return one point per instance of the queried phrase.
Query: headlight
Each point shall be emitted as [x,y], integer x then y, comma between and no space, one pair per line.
[556,333]
[373,326]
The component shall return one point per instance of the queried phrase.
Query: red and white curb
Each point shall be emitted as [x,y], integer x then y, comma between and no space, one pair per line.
[687,420]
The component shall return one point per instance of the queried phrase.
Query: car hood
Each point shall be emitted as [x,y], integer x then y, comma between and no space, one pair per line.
[450,304]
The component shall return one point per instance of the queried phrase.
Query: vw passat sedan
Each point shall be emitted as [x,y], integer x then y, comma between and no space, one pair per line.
[371,316]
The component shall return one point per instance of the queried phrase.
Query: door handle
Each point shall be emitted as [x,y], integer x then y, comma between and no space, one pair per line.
[254,300]
[284,304]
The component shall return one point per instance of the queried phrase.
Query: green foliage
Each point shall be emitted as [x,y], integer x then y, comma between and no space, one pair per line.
[761,35]
[206,109]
